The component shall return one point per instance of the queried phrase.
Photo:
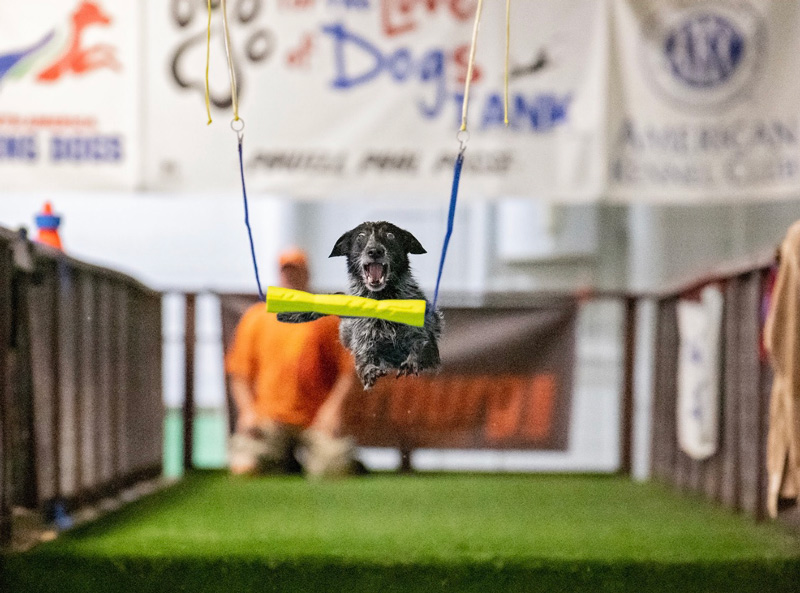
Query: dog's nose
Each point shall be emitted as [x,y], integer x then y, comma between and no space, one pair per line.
[376,251]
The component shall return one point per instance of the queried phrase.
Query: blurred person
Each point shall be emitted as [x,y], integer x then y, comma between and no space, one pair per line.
[781,341]
[288,383]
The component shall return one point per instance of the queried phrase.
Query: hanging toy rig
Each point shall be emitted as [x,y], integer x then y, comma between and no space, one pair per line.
[284,300]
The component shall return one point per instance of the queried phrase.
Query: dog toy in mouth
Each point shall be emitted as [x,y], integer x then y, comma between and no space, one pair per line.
[286,300]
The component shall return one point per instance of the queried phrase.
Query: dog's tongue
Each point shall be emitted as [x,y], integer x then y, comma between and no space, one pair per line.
[375,272]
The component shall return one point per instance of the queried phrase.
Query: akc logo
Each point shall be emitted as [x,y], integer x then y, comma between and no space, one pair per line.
[73,57]
[707,55]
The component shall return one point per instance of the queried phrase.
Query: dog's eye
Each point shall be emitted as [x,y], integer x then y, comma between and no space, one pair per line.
[390,236]
[360,238]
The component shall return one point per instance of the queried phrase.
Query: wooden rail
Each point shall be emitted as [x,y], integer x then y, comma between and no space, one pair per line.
[82,413]
[736,475]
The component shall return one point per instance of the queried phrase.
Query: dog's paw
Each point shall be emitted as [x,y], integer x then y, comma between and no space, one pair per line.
[410,366]
[369,375]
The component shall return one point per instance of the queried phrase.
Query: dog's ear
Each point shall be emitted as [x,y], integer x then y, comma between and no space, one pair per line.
[342,246]
[410,243]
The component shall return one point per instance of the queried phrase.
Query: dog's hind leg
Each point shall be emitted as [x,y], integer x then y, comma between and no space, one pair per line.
[299,317]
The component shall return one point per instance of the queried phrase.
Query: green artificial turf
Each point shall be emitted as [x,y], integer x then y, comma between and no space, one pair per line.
[213,532]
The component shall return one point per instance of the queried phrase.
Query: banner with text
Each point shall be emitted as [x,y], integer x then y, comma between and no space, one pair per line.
[69,94]
[704,100]
[363,97]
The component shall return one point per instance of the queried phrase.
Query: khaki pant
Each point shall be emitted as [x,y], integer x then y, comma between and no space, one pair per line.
[276,448]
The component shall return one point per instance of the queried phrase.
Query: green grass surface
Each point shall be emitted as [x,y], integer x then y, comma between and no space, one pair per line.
[213,532]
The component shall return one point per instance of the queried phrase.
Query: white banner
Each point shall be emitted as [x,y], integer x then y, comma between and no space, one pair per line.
[699,327]
[705,100]
[689,101]
[69,94]
[363,98]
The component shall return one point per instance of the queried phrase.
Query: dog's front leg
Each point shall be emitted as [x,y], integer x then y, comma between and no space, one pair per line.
[299,317]
[369,373]
[411,365]
[424,355]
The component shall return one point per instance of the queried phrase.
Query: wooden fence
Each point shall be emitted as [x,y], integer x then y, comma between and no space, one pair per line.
[736,474]
[82,413]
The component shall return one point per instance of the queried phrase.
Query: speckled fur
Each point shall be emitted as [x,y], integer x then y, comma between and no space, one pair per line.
[380,346]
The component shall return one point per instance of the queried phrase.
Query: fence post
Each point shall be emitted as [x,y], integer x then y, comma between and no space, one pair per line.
[626,400]
[6,267]
[188,402]
[405,460]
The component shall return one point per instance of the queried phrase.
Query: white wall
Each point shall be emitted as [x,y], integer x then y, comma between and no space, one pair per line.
[169,241]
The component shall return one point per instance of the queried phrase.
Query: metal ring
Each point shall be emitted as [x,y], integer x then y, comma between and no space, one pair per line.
[463,137]
[238,129]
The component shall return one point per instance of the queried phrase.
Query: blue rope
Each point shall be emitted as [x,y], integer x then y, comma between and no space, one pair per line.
[451,215]
[247,223]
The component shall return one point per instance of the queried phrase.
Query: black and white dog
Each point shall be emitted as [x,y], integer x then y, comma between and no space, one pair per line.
[378,268]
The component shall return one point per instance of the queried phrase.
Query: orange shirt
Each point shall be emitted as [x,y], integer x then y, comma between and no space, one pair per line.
[291,366]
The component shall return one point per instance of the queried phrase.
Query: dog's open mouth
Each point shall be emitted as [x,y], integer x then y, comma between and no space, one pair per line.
[375,275]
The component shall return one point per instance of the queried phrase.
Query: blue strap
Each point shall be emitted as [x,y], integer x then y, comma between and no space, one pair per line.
[247,223]
[451,215]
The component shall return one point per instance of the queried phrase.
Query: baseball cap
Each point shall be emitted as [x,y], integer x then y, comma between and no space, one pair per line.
[293,256]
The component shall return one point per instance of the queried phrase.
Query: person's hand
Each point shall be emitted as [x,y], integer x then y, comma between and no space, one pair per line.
[329,416]
[243,397]
[328,421]
[246,420]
